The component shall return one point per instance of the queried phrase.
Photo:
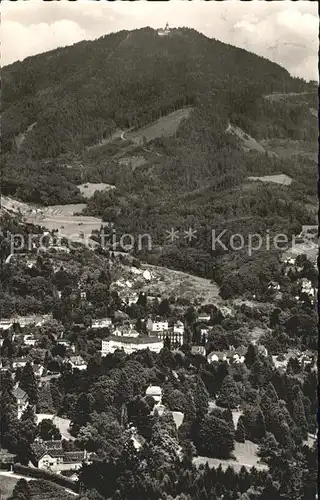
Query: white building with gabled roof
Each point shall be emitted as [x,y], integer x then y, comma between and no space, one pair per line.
[156,392]
[130,344]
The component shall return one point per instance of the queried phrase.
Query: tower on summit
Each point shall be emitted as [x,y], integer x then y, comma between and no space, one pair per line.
[165,31]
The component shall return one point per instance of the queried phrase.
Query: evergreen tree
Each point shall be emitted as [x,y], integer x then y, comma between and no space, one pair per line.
[271,393]
[200,398]
[240,434]
[229,396]
[298,411]
[260,426]
[48,431]
[251,355]
[28,383]
[81,414]
[215,438]
[21,491]
[45,403]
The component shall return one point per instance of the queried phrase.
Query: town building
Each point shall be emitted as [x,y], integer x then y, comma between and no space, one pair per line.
[19,362]
[262,350]
[307,287]
[67,344]
[164,31]
[204,334]
[38,370]
[24,321]
[216,356]
[229,356]
[101,323]
[29,340]
[49,455]
[6,324]
[130,344]
[198,349]
[71,474]
[126,332]
[121,316]
[6,459]
[155,326]
[77,362]
[203,317]
[274,286]
[21,399]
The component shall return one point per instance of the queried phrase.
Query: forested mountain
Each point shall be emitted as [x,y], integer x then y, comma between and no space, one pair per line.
[79,94]
[65,107]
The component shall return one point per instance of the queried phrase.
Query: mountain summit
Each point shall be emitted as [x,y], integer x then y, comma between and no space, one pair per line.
[78,95]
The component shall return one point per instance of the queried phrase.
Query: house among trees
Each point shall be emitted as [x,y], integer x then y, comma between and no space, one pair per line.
[50,455]
[173,335]
[22,400]
[24,321]
[101,323]
[155,326]
[19,362]
[6,324]
[204,317]
[156,392]
[125,331]
[67,344]
[70,474]
[6,459]
[231,355]
[198,349]
[130,344]
[77,362]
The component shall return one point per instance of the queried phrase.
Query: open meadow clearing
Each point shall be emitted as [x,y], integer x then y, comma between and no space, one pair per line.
[282,179]
[165,126]
[245,456]
[56,217]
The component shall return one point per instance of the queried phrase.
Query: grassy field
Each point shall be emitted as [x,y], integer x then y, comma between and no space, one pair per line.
[165,126]
[282,179]
[245,455]
[167,282]
[60,217]
[6,486]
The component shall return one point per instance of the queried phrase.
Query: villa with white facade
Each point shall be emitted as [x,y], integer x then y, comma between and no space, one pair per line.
[130,344]
[157,326]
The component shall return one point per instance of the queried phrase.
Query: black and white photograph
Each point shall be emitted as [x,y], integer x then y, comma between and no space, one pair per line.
[159,250]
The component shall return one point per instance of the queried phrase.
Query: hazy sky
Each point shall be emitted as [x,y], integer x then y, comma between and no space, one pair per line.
[284,31]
